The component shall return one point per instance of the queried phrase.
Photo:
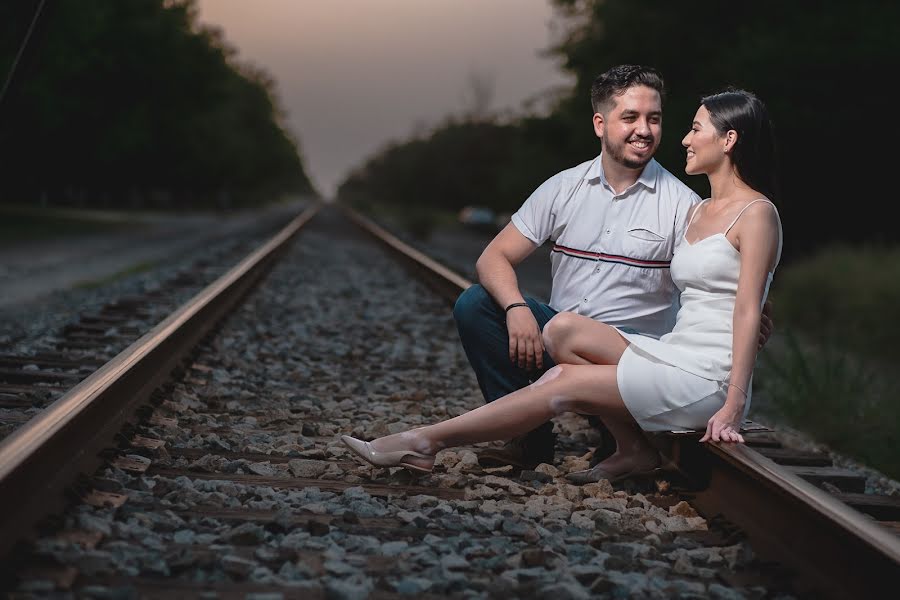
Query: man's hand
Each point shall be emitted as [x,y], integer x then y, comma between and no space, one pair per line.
[766,325]
[526,346]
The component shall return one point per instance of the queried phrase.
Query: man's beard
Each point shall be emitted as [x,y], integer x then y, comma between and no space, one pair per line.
[617,153]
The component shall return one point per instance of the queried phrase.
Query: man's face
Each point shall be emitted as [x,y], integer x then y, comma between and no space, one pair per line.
[632,129]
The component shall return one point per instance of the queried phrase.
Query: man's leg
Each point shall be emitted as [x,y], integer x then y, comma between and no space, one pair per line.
[482,330]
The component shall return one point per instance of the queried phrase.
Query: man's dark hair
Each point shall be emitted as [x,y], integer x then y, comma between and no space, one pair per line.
[618,79]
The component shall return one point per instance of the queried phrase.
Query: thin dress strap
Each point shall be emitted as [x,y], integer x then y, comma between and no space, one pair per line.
[780,233]
[694,214]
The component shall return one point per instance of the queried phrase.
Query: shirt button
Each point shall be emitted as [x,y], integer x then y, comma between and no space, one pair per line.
[607,231]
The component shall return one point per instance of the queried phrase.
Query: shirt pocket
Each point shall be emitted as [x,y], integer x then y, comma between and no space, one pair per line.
[646,243]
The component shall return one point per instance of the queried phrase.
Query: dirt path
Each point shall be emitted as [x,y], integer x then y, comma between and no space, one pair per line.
[35,269]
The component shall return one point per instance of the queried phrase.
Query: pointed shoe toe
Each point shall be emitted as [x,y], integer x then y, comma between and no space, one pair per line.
[358,446]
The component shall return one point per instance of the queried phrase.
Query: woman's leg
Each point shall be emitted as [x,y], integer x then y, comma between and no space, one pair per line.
[633,449]
[587,389]
[574,339]
[585,384]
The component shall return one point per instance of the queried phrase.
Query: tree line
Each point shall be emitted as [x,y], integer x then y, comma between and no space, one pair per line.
[821,67]
[136,103]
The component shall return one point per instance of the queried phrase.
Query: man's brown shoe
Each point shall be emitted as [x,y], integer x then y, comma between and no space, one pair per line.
[524,452]
[596,473]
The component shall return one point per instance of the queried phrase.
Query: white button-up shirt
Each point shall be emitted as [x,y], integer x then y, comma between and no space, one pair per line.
[611,253]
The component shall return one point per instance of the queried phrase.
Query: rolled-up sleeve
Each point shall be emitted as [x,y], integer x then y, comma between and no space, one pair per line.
[535,218]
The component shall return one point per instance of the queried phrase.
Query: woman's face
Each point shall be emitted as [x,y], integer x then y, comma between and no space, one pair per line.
[705,147]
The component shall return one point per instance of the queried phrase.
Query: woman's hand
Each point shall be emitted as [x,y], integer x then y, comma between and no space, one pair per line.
[725,425]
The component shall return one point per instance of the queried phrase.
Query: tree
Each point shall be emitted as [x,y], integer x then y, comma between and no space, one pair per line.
[823,70]
[820,67]
[137,100]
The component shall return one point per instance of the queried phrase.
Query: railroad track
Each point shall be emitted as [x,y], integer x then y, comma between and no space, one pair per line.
[205,458]
[32,379]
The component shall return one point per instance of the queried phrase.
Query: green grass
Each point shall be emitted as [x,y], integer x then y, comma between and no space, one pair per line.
[834,376]
[844,295]
[20,223]
[848,404]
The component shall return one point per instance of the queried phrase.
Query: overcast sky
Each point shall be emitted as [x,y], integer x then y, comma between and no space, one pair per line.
[356,74]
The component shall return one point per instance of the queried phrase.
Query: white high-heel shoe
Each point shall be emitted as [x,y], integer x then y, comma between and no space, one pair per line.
[386,459]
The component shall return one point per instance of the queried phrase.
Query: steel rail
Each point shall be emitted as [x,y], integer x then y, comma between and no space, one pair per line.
[836,550]
[41,459]
[445,281]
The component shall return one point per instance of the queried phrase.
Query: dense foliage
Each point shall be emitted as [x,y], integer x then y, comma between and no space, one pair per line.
[451,168]
[845,296]
[135,103]
[821,67]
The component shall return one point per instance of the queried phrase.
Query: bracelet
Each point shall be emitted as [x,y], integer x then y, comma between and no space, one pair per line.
[515,304]
[740,389]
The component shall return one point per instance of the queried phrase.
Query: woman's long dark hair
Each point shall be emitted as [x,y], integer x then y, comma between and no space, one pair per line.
[754,153]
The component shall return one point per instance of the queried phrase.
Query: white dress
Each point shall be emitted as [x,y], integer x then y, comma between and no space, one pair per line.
[680,380]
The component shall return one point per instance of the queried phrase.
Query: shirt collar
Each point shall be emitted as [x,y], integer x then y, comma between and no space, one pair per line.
[649,175]
[648,178]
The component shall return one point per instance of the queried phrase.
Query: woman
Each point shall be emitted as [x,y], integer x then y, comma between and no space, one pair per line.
[696,376]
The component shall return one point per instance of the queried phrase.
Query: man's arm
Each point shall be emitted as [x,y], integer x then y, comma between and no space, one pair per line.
[496,272]
[496,265]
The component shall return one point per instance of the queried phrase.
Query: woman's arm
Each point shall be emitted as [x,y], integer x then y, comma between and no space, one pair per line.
[757,237]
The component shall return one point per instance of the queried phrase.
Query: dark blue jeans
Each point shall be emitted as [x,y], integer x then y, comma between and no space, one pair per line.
[482,330]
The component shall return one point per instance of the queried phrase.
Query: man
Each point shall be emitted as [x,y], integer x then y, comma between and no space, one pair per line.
[615,222]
